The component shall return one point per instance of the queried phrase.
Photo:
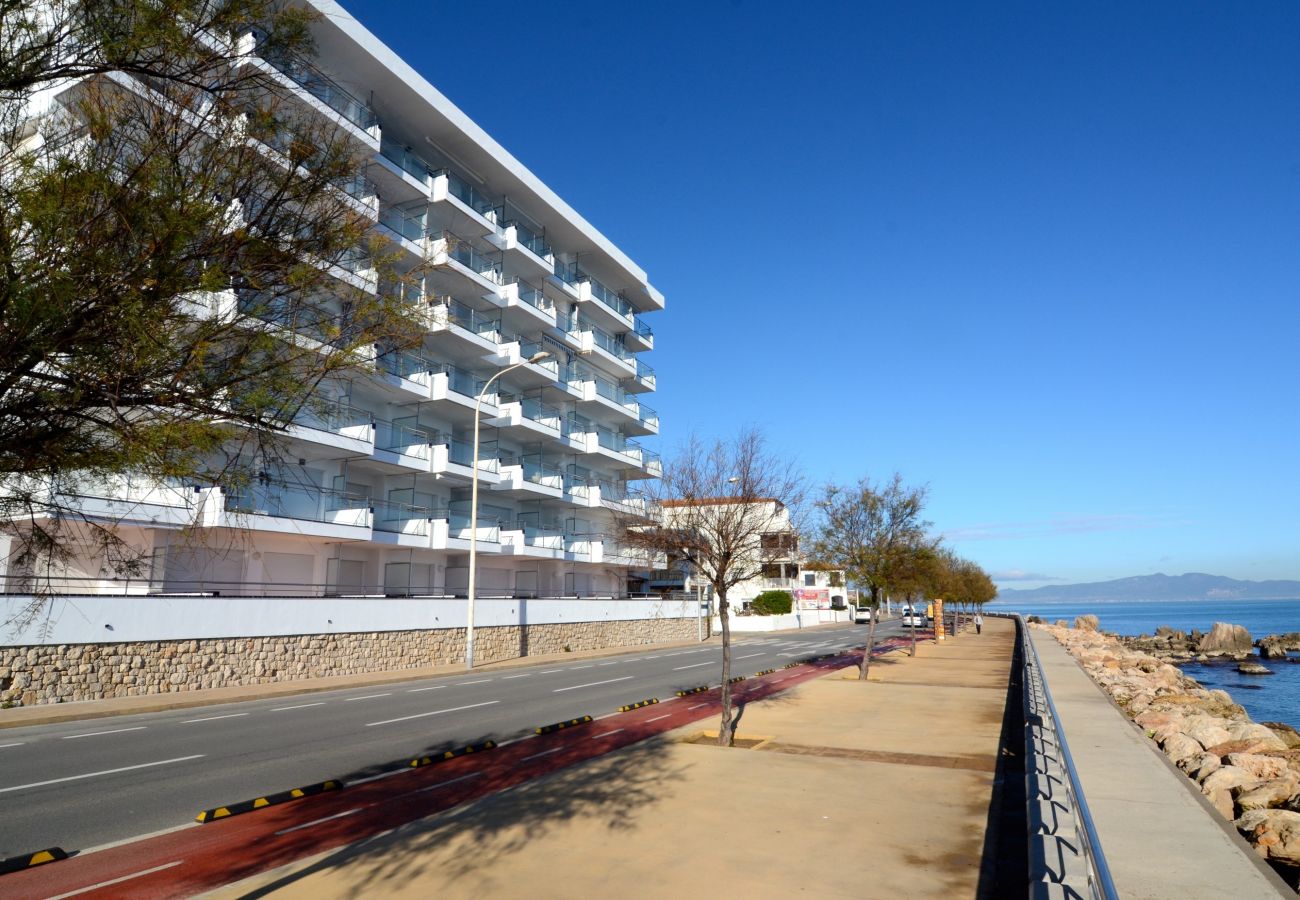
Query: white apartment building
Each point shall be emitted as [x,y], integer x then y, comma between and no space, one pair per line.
[372,496]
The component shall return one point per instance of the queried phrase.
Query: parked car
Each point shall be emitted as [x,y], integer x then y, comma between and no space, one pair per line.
[912,618]
[862,614]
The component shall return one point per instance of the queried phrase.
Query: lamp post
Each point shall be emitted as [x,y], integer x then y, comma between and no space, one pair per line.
[473,507]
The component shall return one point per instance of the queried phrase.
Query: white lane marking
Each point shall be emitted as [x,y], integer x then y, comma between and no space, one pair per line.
[508,677]
[525,737]
[449,781]
[161,762]
[606,734]
[95,887]
[543,753]
[614,663]
[214,718]
[748,655]
[478,681]
[576,668]
[657,718]
[652,657]
[669,700]
[368,697]
[380,777]
[696,706]
[418,690]
[138,837]
[551,671]
[300,706]
[19,744]
[436,712]
[592,684]
[790,653]
[693,666]
[318,821]
[72,737]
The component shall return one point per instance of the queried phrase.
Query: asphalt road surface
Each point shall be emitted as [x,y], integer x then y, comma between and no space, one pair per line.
[81,785]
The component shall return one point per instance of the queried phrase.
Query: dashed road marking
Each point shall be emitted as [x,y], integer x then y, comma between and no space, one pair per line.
[449,781]
[300,706]
[367,697]
[693,666]
[508,677]
[544,753]
[161,762]
[606,734]
[318,821]
[72,737]
[436,712]
[657,718]
[696,706]
[436,687]
[592,684]
[214,718]
[477,681]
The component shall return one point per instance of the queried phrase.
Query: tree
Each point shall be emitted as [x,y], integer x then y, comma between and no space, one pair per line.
[186,249]
[715,503]
[873,532]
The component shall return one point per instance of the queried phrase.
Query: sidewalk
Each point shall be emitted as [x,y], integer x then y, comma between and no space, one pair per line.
[856,790]
[1161,838]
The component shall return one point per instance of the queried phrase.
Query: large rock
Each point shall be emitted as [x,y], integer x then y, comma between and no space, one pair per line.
[1275,834]
[1261,767]
[1228,778]
[1250,731]
[1271,647]
[1208,734]
[1225,638]
[1253,668]
[1285,732]
[1270,794]
[1180,746]
[1087,623]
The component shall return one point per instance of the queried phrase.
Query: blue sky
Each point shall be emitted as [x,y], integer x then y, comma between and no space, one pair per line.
[1043,257]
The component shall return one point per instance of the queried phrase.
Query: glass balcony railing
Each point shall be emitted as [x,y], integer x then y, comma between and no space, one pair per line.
[613,393]
[461,453]
[405,365]
[466,193]
[568,272]
[401,518]
[534,297]
[576,425]
[641,328]
[291,501]
[647,415]
[409,226]
[332,417]
[610,344]
[324,89]
[527,237]
[402,439]
[465,383]
[456,313]
[405,160]
[473,259]
[611,299]
[536,470]
[529,349]
[539,412]
[644,372]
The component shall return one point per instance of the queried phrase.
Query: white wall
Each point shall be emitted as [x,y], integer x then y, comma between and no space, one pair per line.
[113,619]
[805,619]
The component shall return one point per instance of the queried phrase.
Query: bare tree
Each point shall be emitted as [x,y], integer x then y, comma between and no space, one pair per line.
[875,533]
[716,503]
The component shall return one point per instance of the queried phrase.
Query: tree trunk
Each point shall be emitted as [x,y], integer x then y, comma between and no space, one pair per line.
[871,635]
[726,728]
[912,608]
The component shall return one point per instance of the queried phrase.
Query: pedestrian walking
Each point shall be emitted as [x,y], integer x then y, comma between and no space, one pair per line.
[979,622]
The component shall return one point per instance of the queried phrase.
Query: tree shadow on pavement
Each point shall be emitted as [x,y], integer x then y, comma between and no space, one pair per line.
[455,849]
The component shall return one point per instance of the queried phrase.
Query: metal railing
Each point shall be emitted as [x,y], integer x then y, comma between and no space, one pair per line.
[1064,847]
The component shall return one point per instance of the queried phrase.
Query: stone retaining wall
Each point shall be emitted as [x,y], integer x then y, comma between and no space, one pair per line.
[67,672]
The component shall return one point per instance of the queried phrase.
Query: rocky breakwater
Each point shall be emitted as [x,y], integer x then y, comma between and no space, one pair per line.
[1249,772]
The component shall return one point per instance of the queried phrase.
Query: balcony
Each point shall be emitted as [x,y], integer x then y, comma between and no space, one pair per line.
[643,381]
[408,226]
[408,372]
[528,251]
[480,270]
[526,539]
[327,94]
[515,350]
[481,330]
[608,307]
[126,500]
[336,425]
[469,203]
[403,445]
[530,475]
[277,506]
[590,338]
[527,305]
[641,337]
[455,458]
[460,390]
[530,416]
[402,524]
[451,531]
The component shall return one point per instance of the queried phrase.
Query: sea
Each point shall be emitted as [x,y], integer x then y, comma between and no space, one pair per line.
[1268,698]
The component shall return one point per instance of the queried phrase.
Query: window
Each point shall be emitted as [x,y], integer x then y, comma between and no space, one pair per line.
[809,580]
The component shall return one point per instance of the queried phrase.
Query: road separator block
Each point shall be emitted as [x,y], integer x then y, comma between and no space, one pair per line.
[695,690]
[639,704]
[560,726]
[420,761]
[244,806]
[28,860]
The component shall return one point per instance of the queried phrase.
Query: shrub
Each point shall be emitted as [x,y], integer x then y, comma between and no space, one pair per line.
[773,603]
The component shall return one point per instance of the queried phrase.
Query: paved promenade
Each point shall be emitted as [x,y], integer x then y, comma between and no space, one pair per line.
[851,790]
[1161,840]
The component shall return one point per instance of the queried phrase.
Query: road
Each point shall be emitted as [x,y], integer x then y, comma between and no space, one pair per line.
[81,785]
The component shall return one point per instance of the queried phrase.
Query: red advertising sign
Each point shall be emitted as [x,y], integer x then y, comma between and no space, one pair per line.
[813,598]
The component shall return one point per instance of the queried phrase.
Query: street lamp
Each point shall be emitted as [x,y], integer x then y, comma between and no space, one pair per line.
[473,505]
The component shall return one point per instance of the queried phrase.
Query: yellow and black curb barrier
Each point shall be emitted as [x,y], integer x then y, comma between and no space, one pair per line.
[27,860]
[792,665]
[697,690]
[736,679]
[451,754]
[764,672]
[243,806]
[640,703]
[560,726]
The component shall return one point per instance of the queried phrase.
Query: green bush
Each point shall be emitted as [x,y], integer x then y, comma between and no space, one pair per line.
[773,603]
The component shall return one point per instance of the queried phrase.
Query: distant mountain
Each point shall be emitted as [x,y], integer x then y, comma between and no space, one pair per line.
[1192,586]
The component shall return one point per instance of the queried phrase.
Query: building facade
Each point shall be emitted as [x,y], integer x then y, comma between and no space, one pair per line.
[369,493]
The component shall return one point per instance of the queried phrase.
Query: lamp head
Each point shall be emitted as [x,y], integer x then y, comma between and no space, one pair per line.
[539,356]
